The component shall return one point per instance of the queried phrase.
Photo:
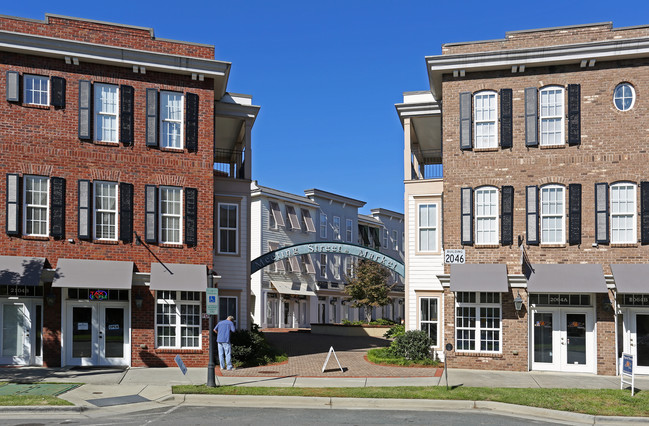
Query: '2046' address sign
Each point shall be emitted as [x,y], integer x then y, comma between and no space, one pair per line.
[454,256]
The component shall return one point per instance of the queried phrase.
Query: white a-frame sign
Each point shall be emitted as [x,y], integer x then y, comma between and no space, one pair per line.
[331,351]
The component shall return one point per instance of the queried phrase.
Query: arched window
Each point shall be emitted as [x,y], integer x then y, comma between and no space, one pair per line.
[623,211]
[486,215]
[485,119]
[553,214]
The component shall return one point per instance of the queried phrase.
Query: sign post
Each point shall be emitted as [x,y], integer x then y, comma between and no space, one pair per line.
[627,370]
[212,308]
[447,348]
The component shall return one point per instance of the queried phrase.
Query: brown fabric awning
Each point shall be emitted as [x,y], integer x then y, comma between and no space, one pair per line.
[479,277]
[17,270]
[566,278]
[631,278]
[104,274]
[176,276]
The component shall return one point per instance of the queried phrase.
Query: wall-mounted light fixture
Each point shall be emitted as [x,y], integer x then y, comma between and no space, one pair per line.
[518,302]
[50,298]
[138,301]
[606,305]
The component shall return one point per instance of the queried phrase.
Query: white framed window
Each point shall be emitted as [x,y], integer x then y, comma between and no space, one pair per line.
[323,225]
[385,238]
[349,233]
[336,267]
[349,267]
[307,220]
[477,322]
[227,307]
[427,227]
[486,215]
[395,240]
[292,217]
[552,101]
[553,214]
[105,210]
[623,213]
[178,319]
[171,120]
[323,265]
[228,228]
[624,97]
[429,317]
[336,228]
[171,207]
[106,112]
[485,119]
[36,206]
[36,89]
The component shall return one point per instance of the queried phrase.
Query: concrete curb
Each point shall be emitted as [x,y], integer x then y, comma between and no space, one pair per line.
[42,408]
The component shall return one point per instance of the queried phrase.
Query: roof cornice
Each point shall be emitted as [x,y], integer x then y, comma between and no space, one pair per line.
[606,50]
[412,110]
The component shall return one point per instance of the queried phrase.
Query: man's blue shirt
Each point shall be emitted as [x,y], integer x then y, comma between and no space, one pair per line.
[223,330]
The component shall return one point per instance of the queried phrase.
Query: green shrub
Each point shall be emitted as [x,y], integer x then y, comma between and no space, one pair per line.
[385,356]
[413,345]
[382,321]
[395,331]
[250,349]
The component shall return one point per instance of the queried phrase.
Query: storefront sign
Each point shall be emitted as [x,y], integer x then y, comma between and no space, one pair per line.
[212,301]
[98,295]
[627,370]
[82,326]
[113,326]
[454,256]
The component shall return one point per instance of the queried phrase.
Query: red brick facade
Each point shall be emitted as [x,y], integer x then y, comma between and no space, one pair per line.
[44,141]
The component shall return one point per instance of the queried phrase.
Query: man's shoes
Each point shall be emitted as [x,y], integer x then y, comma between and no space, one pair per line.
[232,368]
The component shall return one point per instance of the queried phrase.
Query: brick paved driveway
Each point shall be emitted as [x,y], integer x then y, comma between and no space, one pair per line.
[307,353]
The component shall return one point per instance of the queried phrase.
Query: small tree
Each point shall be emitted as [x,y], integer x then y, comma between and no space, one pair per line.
[369,288]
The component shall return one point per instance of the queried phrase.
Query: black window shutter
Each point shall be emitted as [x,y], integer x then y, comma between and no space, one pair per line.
[126,114]
[85,110]
[57,210]
[507,215]
[126,212]
[191,126]
[13,86]
[191,215]
[531,117]
[601,213]
[465,121]
[644,212]
[57,98]
[152,117]
[466,206]
[13,224]
[85,210]
[151,214]
[574,114]
[506,116]
[574,212]
[532,214]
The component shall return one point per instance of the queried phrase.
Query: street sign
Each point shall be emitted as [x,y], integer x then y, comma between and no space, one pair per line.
[212,302]
[452,256]
[180,364]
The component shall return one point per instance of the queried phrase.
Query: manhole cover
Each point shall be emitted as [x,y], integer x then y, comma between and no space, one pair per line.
[269,372]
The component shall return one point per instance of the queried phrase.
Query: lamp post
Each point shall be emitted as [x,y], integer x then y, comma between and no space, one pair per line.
[210,365]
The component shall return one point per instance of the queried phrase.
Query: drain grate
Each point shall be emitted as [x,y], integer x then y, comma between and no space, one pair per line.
[118,400]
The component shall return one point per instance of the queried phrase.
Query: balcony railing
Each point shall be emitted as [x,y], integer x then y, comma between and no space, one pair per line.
[430,165]
[229,163]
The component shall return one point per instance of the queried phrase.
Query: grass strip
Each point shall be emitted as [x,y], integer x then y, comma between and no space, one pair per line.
[601,402]
[14,400]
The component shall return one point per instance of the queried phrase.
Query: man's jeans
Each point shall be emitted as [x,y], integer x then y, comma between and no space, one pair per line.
[225,348]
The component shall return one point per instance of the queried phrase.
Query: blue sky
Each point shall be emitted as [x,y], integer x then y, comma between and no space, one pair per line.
[327,74]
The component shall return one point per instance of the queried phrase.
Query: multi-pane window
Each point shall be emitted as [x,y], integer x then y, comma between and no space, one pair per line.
[171,215]
[336,267]
[178,319]
[171,119]
[428,317]
[336,228]
[551,115]
[486,215]
[106,112]
[349,267]
[36,206]
[227,307]
[105,210]
[484,104]
[36,90]
[624,97]
[385,238]
[427,227]
[228,229]
[323,225]
[395,240]
[623,210]
[349,230]
[553,215]
[477,322]
[323,265]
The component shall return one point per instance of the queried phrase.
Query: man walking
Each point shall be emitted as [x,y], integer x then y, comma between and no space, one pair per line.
[223,330]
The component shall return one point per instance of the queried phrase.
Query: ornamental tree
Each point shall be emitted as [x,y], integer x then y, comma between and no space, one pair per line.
[369,287]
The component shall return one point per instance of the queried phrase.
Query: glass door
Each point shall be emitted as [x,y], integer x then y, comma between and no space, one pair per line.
[639,341]
[111,335]
[545,340]
[16,341]
[82,328]
[577,341]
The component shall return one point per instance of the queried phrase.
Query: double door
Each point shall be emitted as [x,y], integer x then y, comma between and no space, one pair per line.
[21,332]
[98,334]
[636,325]
[563,339]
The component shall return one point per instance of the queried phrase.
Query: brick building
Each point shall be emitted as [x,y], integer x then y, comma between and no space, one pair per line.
[543,141]
[109,139]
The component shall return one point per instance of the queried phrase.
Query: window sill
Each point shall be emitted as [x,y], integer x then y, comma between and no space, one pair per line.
[36,106]
[487,246]
[492,149]
[624,245]
[480,354]
[106,143]
[178,351]
[36,237]
[552,146]
[231,254]
[170,245]
[107,242]
[553,245]
[176,150]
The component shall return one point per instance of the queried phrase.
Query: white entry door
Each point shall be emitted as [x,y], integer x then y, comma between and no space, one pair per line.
[563,340]
[638,327]
[98,334]
[16,334]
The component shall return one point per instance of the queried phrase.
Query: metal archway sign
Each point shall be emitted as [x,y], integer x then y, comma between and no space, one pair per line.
[324,247]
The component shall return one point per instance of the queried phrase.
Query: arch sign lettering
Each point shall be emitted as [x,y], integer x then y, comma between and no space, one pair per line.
[336,248]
